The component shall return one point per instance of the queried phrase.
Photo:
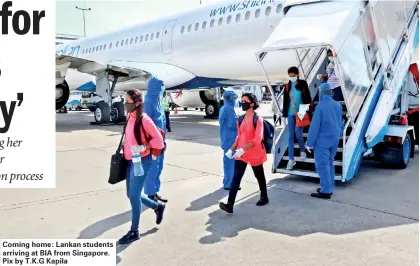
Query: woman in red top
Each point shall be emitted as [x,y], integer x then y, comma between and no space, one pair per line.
[249,150]
[141,132]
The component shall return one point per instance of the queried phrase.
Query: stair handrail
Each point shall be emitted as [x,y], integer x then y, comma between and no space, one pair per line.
[344,143]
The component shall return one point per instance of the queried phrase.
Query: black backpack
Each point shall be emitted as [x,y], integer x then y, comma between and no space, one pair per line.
[268,135]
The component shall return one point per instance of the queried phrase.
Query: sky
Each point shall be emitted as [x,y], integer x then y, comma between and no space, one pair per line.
[112,15]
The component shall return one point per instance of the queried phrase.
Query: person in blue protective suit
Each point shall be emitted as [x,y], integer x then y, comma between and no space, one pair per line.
[228,133]
[324,136]
[153,108]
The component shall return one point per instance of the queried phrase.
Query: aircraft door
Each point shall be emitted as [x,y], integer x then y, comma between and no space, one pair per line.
[167,37]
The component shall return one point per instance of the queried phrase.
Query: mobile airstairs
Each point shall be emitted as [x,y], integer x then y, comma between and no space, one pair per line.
[374,43]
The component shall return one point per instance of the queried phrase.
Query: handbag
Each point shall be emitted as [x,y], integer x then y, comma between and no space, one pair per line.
[118,168]
[306,121]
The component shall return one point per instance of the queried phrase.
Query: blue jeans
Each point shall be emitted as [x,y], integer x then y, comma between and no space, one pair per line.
[134,188]
[324,165]
[291,124]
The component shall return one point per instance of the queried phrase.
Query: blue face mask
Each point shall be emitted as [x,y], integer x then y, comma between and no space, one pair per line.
[293,79]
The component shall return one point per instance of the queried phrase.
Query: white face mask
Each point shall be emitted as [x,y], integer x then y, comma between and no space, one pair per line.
[331,58]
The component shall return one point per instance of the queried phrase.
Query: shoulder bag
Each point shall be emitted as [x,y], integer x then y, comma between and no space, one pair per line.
[118,168]
[306,121]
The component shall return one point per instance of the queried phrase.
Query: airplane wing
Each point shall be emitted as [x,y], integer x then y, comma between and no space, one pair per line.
[171,75]
[64,62]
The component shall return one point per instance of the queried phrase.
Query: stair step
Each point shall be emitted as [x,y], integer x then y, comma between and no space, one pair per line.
[339,149]
[309,160]
[302,173]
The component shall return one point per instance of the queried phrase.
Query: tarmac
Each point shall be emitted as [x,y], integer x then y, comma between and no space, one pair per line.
[372,220]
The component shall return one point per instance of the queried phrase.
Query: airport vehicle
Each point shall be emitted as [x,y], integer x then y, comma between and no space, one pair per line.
[200,99]
[375,43]
[209,47]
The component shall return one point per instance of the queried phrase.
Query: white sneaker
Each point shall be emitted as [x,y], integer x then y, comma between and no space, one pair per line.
[303,155]
[290,165]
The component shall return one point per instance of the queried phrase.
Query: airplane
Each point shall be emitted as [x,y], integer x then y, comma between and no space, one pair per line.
[204,49]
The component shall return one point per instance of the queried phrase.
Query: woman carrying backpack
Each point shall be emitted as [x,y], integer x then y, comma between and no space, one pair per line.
[139,125]
[249,149]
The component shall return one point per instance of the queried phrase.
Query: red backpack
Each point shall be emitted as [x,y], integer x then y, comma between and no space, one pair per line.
[156,152]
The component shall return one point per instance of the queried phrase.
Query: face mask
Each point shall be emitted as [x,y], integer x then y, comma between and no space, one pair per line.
[246,106]
[293,79]
[130,107]
[331,58]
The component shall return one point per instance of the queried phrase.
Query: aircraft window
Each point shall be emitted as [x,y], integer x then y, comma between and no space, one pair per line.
[104,47]
[212,23]
[116,45]
[220,21]
[147,37]
[157,35]
[189,28]
[97,48]
[278,9]
[268,11]
[182,29]
[204,25]
[247,15]
[131,40]
[196,26]
[122,42]
[126,42]
[136,40]
[229,18]
[257,13]
[141,38]
[151,36]
[100,48]
[238,17]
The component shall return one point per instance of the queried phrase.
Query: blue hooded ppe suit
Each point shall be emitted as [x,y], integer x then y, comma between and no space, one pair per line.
[228,133]
[153,108]
[324,136]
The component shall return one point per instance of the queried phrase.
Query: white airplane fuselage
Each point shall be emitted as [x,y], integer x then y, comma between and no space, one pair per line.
[211,46]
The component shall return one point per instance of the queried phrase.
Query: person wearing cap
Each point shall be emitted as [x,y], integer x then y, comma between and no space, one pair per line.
[323,137]
[228,132]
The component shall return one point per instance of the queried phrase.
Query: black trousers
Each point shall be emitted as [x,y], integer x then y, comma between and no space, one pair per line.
[338,94]
[240,168]
[168,122]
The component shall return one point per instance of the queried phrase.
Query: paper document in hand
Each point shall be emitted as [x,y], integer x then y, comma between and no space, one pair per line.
[303,108]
